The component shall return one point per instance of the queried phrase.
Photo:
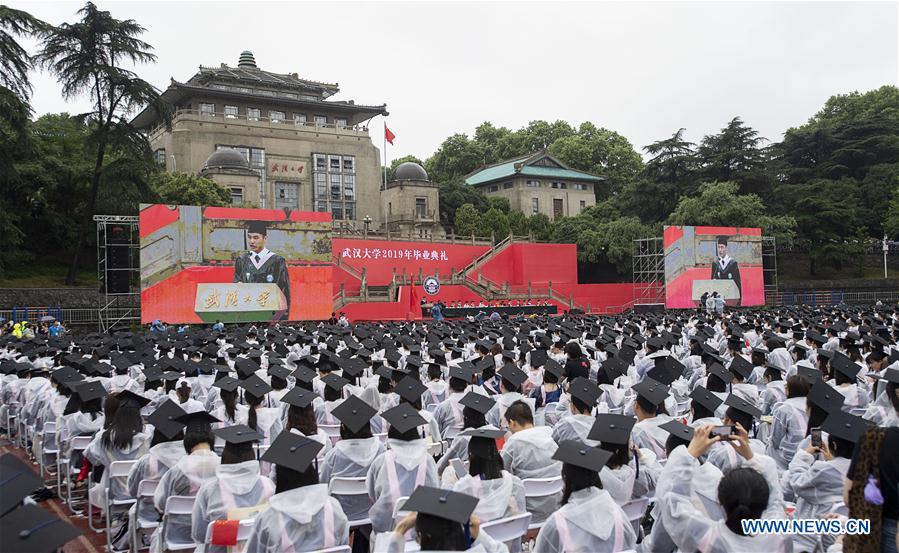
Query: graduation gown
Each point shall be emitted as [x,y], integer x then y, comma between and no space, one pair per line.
[730,271]
[351,459]
[787,430]
[152,466]
[301,519]
[528,454]
[185,478]
[499,498]
[411,465]
[591,522]
[273,270]
[817,486]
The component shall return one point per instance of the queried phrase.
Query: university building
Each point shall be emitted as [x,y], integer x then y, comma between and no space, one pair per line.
[538,183]
[297,149]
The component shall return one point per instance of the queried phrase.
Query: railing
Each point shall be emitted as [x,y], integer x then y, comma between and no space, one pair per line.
[830,297]
[79,316]
[243,119]
[429,216]
[487,255]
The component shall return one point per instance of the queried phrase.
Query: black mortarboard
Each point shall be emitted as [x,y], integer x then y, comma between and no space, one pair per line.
[353,366]
[403,417]
[554,368]
[611,428]
[127,398]
[292,451]
[584,390]
[809,374]
[452,506]
[845,365]
[279,371]
[410,389]
[718,370]
[198,420]
[705,398]
[299,397]
[581,455]
[90,390]
[257,227]
[479,402]
[164,419]
[482,437]
[227,383]
[845,426]
[335,382]
[304,374]
[824,396]
[679,429]
[245,368]
[255,386]
[651,390]
[741,367]
[664,371]
[742,405]
[513,374]
[31,529]
[238,438]
[891,375]
[538,357]
[614,367]
[354,413]
[17,481]
[460,373]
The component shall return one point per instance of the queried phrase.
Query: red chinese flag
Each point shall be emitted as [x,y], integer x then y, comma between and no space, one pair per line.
[389,136]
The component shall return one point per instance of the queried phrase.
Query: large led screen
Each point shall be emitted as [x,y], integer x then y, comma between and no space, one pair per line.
[202,265]
[702,261]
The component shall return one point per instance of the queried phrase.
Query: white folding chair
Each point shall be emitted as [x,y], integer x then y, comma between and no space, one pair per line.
[540,488]
[77,444]
[398,512]
[244,528]
[145,491]
[49,448]
[338,549]
[178,505]
[634,510]
[333,432]
[350,487]
[435,448]
[509,530]
[118,470]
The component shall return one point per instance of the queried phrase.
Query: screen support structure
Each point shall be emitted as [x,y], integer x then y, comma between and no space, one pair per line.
[649,270]
[117,308]
[769,268]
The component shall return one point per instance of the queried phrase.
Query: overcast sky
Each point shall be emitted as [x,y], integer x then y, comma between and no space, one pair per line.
[641,69]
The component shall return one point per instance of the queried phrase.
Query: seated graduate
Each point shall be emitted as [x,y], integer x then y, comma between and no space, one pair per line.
[739,412]
[884,411]
[816,474]
[259,418]
[822,401]
[277,374]
[589,519]
[705,491]
[186,477]
[183,391]
[625,477]
[474,410]
[718,382]
[410,391]
[790,419]
[576,425]
[845,372]
[775,390]
[703,405]
[742,370]
[549,391]
[124,439]
[649,408]
[528,453]
[353,454]
[230,412]
[333,394]
[511,379]
[501,494]
[448,412]
[81,417]
[612,397]
[238,484]
[301,417]
[405,466]
[166,449]
[437,386]
[301,515]
[442,521]
[751,491]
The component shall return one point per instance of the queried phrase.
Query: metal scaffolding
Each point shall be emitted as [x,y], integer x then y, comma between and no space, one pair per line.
[649,270]
[116,307]
[769,268]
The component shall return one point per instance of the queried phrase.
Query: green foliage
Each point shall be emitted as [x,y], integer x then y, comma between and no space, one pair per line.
[468,220]
[540,225]
[453,195]
[498,203]
[891,223]
[494,222]
[600,152]
[189,189]
[518,223]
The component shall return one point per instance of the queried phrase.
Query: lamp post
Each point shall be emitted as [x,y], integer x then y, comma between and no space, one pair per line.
[886,248]
[366,221]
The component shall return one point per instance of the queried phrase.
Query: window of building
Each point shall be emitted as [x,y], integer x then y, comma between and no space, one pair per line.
[276,116]
[207,110]
[286,195]
[257,158]
[334,185]
[389,208]
[340,122]
[535,205]
[533,183]
[230,112]
[299,118]
[321,119]
[421,208]
[493,188]
[583,205]
[560,185]
[159,157]
[580,186]
[507,185]
[236,196]
[253,114]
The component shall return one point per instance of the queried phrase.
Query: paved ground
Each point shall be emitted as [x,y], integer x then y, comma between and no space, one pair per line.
[89,542]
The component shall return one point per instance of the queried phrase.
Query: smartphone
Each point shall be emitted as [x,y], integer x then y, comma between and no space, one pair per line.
[816,436]
[724,432]
[459,467]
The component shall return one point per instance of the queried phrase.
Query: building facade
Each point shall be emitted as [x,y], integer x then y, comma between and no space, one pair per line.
[538,183]
[310,153]
[412,203]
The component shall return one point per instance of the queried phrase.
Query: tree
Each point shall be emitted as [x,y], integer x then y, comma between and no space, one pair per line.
[85,57]
[488,138]
[467,220]
[735,154]
[540,225]
[673,159]
[15,63]
[189,189]
[453,195]
[494,222]
[601,152]
[891,223]
[456,157]
[498,203]
[518,223]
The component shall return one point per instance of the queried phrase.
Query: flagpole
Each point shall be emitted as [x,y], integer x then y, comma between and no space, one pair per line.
[383,214]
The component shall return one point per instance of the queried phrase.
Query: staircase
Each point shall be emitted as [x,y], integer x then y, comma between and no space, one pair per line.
[488,255]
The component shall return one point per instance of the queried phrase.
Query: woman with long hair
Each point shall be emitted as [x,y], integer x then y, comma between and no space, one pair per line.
[588,519]
[884,411]
[500,494]
[474,409]
[230,412]
[259,418]
[790,422]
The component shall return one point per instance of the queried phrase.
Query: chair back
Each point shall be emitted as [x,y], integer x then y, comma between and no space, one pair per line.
[347,486]
[542,487]
[509,529]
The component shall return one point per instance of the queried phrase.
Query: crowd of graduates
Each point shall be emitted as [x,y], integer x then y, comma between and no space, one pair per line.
[705,420]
